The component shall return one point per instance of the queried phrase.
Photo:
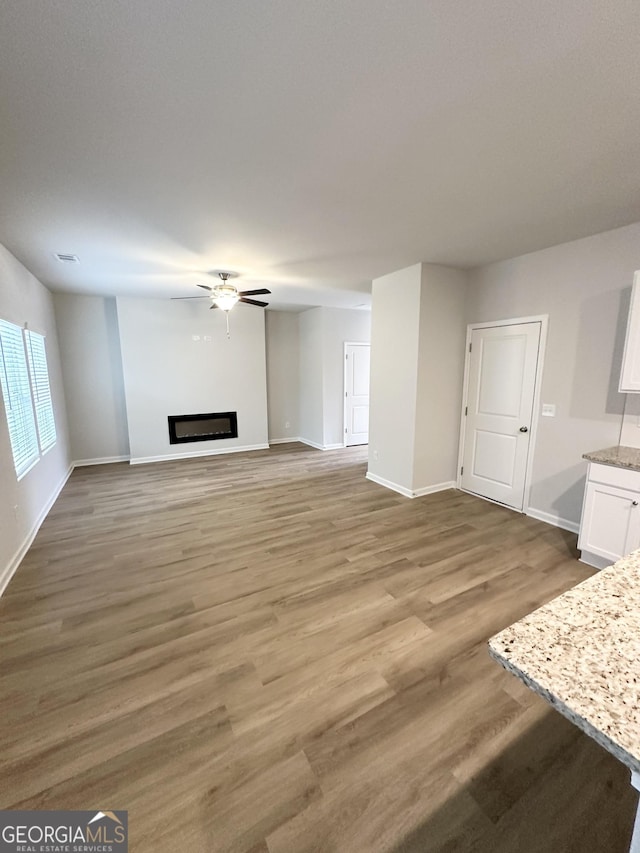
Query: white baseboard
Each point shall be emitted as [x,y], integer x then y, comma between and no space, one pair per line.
[317,446]
[409,493]
[100,460]
[9,571]
[389,485]
[552,518]
[284,440]
[595,560]
[437,487]
[143,460]
[310,443]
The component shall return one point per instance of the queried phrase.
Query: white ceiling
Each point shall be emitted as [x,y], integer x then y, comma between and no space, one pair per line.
[310,144]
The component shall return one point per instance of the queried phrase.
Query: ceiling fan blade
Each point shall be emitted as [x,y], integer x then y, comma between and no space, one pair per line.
[254,292]
[254,302]
[187,297]
[205,286]
[213,305]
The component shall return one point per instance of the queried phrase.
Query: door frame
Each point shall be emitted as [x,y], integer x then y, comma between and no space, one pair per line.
[344,387]
[543,319]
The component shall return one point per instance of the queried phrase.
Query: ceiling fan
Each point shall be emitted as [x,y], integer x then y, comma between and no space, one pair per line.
[225,295]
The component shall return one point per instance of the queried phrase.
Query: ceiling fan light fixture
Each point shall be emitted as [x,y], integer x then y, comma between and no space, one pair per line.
[225,296]
[226,301]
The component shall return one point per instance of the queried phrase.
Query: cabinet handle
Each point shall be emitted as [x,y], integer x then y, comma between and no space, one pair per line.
[634,503]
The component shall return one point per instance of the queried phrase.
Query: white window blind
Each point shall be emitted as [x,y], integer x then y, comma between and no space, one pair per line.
[40,389]
[16,392]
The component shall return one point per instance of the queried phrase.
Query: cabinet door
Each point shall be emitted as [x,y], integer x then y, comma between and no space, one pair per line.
[630,373]
[611,521]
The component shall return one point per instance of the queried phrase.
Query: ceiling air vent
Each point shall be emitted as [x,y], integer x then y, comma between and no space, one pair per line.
[67,259]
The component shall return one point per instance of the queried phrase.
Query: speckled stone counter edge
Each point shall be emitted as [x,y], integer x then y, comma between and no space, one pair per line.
[619,456]
[588,728]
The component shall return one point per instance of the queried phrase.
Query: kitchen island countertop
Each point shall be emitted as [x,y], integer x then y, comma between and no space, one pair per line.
[581,652]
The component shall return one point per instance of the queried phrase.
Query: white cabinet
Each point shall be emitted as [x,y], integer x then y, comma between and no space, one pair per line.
[630,373]
[610,526]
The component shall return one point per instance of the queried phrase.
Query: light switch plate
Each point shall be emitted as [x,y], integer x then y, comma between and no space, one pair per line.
[548,410]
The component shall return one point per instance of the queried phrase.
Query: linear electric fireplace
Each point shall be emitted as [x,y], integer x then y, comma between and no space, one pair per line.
[209,427]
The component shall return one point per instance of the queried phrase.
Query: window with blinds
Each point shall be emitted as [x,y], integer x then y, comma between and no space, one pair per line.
[40,390]
[24,379]
[16,393]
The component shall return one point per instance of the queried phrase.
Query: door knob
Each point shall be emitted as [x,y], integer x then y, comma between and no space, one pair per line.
[524,429]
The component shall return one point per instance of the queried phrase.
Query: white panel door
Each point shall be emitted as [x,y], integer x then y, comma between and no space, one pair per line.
[502,376]
[356,392]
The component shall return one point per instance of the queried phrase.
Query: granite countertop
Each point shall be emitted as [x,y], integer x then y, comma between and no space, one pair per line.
[581,652]
[620,456]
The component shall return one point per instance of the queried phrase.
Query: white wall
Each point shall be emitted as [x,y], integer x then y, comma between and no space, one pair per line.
[440,375]
[630,432]
[417,366]
[283,374]
[92,372]
[585,287]
[395,325]
[323,333]
[311,424]
[338,326]
[24,504]
[167,372]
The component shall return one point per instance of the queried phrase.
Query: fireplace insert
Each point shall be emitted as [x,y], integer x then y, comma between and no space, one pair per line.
[204,427]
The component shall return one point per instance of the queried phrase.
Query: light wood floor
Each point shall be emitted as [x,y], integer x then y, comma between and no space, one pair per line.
[266,652]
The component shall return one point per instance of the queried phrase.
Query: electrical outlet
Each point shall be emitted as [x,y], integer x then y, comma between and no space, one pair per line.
[375,454]
[548,410]
[287,425]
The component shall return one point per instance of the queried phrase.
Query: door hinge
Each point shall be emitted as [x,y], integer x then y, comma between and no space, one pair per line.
[462,471]
[470,345]
[345,429]
[346,355]
[466,411]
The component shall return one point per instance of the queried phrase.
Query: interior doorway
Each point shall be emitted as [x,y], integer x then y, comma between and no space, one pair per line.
[501,389]
[356,393]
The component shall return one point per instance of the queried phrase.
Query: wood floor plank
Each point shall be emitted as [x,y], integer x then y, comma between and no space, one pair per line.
[267,653]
